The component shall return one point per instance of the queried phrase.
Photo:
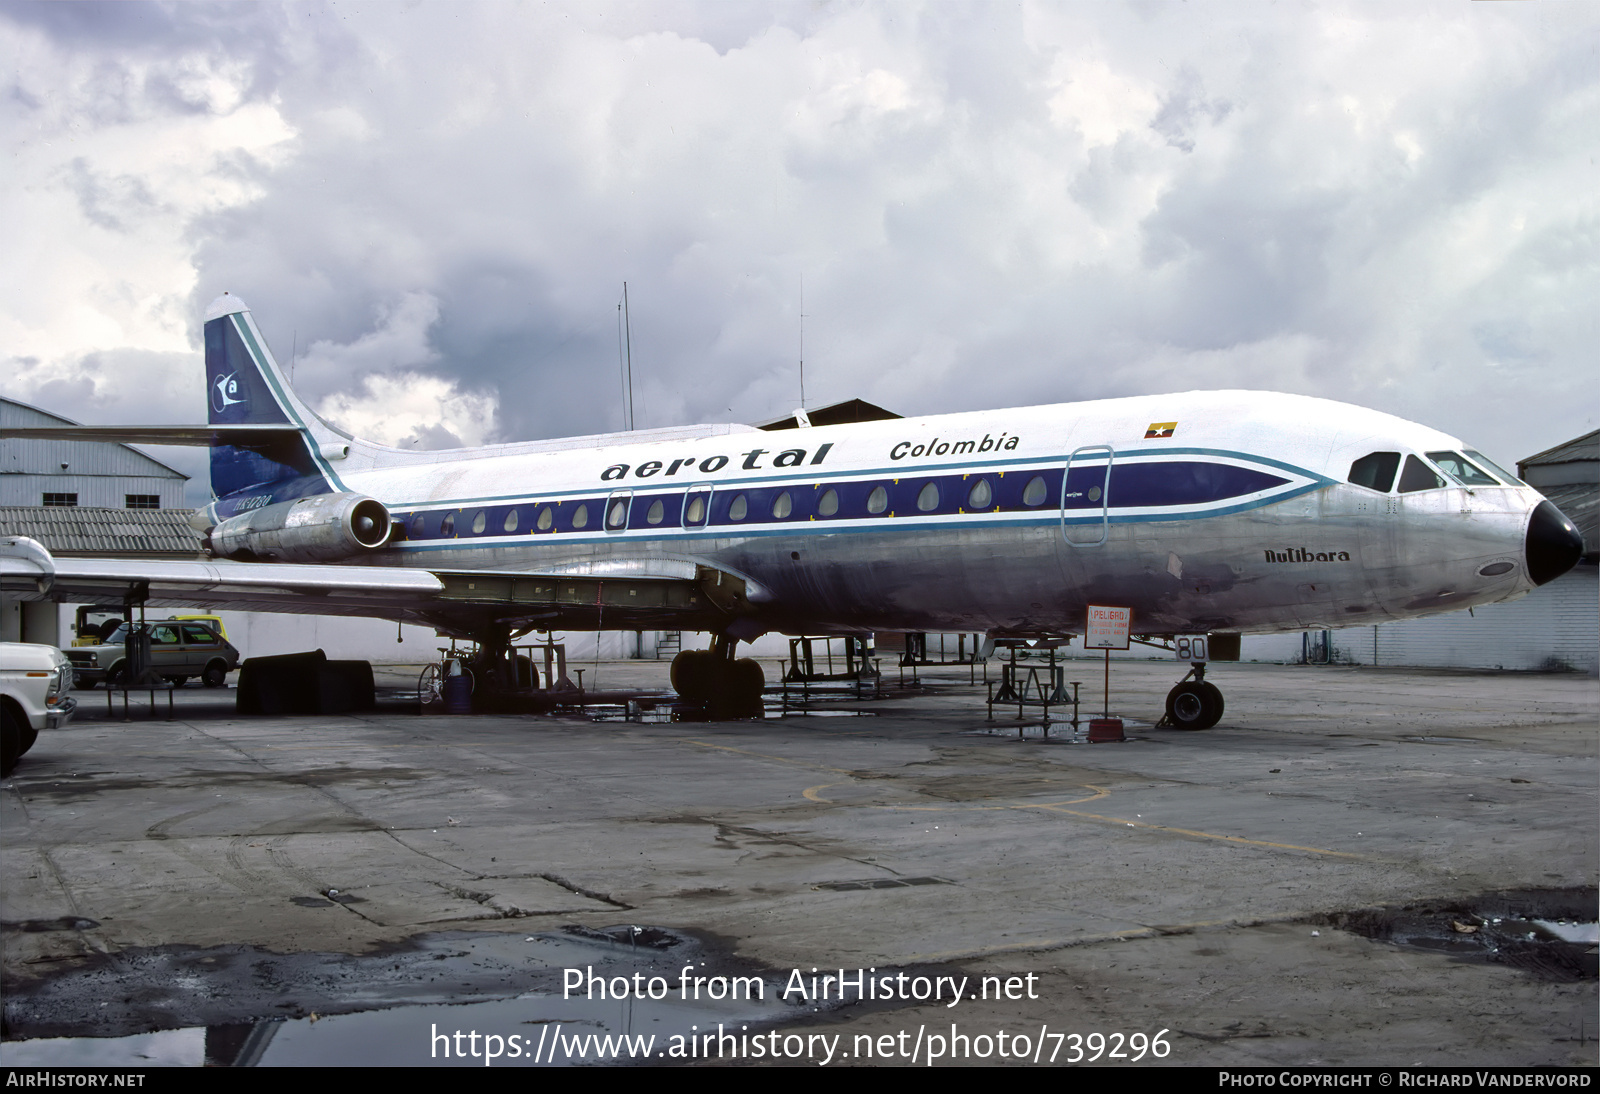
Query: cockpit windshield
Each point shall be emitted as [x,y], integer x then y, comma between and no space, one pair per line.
[1459,468]
[1376,471]
[1484,461]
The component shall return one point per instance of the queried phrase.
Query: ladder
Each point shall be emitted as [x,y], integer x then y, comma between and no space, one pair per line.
[668,642]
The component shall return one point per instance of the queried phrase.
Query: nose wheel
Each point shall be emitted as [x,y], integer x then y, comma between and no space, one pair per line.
[1194,703]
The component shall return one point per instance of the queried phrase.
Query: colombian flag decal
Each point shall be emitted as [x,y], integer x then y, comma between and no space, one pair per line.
[1160,429]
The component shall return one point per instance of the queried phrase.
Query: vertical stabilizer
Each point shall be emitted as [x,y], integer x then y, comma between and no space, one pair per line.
[246,387]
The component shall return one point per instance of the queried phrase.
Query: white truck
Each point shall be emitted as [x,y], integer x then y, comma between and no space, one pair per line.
[34,681]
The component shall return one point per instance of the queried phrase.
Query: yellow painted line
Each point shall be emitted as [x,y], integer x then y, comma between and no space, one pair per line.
[1204,835]
[813,793]
[775,759]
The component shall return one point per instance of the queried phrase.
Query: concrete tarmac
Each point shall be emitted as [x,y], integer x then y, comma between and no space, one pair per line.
[214,871]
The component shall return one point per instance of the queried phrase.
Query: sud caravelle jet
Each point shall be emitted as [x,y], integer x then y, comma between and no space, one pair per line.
[1220,512]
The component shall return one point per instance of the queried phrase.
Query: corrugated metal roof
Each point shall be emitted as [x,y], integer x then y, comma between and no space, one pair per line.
[1586,447]
[117,533]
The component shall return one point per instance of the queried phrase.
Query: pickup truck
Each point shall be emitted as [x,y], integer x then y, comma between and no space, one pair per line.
[33,695]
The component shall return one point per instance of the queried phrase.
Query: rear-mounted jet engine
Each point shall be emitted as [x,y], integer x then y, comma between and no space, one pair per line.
[323,528]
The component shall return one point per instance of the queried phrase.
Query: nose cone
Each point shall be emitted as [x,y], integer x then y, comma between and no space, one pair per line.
[1554,544]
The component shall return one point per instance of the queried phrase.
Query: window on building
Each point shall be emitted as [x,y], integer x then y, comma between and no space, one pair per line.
[61,500]
[140,501]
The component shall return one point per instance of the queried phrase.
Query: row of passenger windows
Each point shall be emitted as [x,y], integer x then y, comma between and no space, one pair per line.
[979,496]
[1087,491]
[1376,471]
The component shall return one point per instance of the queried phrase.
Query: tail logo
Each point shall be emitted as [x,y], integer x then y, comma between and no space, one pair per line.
[223,393]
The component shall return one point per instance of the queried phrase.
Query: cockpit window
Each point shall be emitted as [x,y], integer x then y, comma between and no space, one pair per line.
[1484,461]
[1457,467]
[1376,471]
[1419,476]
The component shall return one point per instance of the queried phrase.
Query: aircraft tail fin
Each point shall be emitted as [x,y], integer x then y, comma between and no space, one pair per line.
[245,386]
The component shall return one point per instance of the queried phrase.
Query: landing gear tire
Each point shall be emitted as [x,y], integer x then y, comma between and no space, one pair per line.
[692,674]
[746,686]
[1193,705]
[729,689]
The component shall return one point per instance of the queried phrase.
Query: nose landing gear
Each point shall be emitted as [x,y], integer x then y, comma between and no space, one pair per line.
[1194,703]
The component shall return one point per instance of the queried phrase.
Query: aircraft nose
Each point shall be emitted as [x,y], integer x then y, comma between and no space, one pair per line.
[1554,544]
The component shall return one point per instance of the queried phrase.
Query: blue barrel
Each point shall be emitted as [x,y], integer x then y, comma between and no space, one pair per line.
[458,694]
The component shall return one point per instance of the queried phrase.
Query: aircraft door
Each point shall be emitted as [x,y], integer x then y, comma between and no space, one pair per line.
[697,506]
[1085,492]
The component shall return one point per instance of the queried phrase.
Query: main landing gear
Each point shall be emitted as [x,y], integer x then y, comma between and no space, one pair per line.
[1194,703]
[729,687]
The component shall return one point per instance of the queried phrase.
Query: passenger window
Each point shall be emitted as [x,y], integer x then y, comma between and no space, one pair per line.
[1376,471]
[696,511]
[447,527]
[828,505]
[1457,467]
[480,521]
[197,636]
[1418,476]
[783,506]
[1034,492]
[980,495]
[164,636]
[580,517]
[511,522]
[1485,461]
[656,512]
[878,500]
[617,515]
[739,509]
[418,524]
[547,517]
[928,497]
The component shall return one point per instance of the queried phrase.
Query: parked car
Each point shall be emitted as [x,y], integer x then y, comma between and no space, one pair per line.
[179,649]
[33,684]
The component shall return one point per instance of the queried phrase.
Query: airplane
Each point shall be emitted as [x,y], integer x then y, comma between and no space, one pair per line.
[1204,512]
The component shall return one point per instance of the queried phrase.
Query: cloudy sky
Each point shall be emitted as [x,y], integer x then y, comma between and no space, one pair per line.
[432,208]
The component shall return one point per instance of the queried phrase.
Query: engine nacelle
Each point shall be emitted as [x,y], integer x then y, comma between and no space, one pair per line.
[321,528]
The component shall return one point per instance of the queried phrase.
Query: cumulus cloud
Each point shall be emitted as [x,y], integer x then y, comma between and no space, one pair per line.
[432,207]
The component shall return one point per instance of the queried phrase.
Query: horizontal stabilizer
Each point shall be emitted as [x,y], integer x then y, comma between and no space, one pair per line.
[201,436]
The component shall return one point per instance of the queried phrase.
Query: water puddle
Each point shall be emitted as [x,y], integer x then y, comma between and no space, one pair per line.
[1062,732]
[1550,933]
[453,999]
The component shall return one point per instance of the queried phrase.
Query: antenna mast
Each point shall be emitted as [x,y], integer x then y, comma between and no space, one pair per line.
[625,357]
[802,341]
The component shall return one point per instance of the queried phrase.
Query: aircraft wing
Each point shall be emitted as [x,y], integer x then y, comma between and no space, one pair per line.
[452,601]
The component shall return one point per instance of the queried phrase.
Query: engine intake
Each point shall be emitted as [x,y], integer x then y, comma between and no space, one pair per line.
[322,528]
